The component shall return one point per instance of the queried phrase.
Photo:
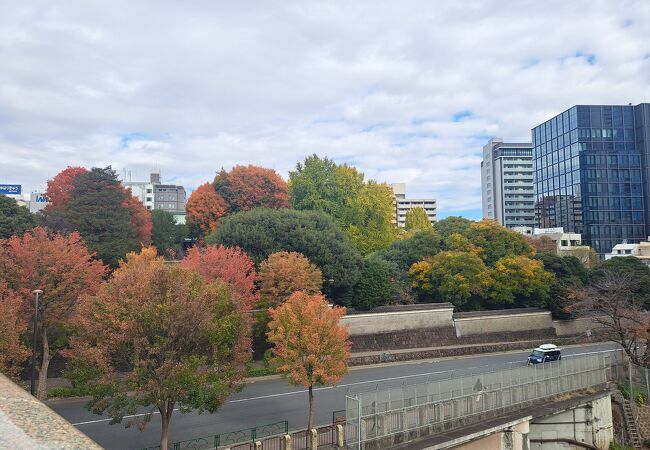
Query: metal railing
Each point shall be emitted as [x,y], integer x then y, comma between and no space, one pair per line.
[239,439]
[456,400]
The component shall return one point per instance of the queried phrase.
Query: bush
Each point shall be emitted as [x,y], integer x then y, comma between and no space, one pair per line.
[267,358]
[65,392]
[260,372]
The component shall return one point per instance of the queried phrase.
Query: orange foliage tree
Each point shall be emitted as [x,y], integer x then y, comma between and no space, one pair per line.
[310,346]
[139,217]
[12,352]
[248,187]
[64,269]
[204,208]
[229,264]
[284,273]
[182,340]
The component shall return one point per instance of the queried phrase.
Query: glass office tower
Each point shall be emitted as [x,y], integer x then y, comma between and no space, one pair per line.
[588,173]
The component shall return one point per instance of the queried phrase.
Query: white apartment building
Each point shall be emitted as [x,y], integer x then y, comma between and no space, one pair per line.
[507,183]
[404,205]
[641,251]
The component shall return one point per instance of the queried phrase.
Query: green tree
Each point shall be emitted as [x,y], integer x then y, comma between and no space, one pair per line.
[364,210]
[417,219]
[375,286]
[261,232]
[570,274]
[495,241]
[402,254]
[161,338]
[14,219]
[97,209]
[457,277]
[450,225]
[167,236]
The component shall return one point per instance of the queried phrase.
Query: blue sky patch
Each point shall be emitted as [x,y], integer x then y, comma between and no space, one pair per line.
[461,115]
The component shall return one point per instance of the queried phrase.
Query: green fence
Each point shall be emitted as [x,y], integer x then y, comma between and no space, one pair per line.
[228,439]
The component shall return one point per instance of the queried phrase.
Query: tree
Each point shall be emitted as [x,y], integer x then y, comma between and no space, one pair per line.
[496,241]
[370,218]
[520,281]
[542,244]
[162,337]
[284,273]
[376,287]
[611,302]
[12,352]
[364,210]
[205,209]
[248,187]
[632,266]
[100,209]
[140,218]
[229,264]
[261,232]
[457,277]
[310,346]
[569,274]
[65,270]
[450,225]
[59,188]
[14,219]
[417,219]
[167,236]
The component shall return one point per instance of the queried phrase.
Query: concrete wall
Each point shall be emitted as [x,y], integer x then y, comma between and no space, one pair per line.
[590,423]
[575,327]
[404,318]
[494,322]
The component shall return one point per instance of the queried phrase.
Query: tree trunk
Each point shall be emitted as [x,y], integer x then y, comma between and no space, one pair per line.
[310,422]
[41,392]
[165,416]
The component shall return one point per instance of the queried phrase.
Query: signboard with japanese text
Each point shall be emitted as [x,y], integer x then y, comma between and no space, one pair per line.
[10,189]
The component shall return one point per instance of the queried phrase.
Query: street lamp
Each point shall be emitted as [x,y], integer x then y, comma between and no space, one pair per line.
[36,293]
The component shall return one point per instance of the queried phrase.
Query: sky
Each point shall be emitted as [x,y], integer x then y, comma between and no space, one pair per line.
[406,91]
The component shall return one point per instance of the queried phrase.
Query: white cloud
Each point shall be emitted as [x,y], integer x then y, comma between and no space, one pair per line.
[189,87]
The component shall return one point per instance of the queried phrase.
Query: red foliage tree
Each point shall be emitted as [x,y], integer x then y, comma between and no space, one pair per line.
[60,187]
[140,218]
[284,273]
[12,352]
[248,187]
[229,264]
[204,208]
[64,269]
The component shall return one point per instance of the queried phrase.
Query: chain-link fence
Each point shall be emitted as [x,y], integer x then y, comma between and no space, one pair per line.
[459,399]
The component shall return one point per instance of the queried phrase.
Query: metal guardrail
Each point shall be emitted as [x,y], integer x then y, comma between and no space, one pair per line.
[456,400]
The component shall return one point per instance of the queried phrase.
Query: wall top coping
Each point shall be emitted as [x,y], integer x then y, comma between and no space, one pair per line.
[500,312]
[29,424]
[404,308]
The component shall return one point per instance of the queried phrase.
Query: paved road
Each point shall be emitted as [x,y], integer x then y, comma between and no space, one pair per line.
[268,401]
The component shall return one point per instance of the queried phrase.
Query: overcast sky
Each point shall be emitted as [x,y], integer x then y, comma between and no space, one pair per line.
[407,91]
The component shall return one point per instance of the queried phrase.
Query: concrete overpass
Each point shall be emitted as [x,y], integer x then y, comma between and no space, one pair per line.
[519,407]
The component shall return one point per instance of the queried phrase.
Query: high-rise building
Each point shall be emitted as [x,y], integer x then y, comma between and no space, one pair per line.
[404,205]
[592,167]
[507,183]
[155,195]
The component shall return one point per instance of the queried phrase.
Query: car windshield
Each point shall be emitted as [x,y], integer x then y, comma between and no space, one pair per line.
[537,353]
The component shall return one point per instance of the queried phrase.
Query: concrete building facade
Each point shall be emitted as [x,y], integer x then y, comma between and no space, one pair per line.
[156,195]
[507,183]
[404,205]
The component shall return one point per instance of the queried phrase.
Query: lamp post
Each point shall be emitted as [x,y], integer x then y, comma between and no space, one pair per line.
[36,293]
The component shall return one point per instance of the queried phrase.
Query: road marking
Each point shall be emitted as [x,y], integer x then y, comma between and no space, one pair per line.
[380,380]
